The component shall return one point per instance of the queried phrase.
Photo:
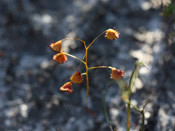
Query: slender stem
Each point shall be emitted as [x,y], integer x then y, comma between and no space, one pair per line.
[96,39]
[83,73]
[129,95]
[86,64]
[143,117]
[82,60]
[87,78]
[128,117]
[134,106]
[76,39]
[105,108]
[84,56]
[143,120]
[130,81]
[95,67]
[75,57]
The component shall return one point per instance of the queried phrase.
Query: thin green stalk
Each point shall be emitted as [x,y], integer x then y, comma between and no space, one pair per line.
[130,81]
[105,107]
[143,121]
[129,97]
[143,117]
[135,107]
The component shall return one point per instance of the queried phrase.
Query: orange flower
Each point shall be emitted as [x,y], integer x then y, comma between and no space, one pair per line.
[57,46]
[112,34]
[67,87]
[60,57]
[117,74]
[76,78]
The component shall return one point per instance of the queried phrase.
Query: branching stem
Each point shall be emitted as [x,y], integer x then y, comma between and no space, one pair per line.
[95,39]
[76,39]
[98,67]
[75,57]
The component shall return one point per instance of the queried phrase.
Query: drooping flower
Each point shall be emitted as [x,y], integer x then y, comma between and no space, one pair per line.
[117,74]
[67,87]
[57,46]
[76,78]
[60,57]
[112,34]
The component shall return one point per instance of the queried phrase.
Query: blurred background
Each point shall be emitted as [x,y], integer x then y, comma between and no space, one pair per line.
[30,99]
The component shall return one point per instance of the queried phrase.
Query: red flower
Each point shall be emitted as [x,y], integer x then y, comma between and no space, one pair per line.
[76,78]
[117,74]
[67,87]
[60,57]
[57,46]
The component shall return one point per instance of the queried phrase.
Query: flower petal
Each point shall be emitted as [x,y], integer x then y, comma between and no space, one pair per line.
[60,57]
[76,78]
[67,87]
[57,46]
[117,74]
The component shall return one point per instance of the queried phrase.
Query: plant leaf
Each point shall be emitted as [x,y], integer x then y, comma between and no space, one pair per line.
[134,74]
[123,86]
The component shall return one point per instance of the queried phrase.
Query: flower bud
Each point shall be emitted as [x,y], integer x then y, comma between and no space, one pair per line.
[60,57]
[57,46]
[67,87]
[117,74]
[76,78]
[112,34]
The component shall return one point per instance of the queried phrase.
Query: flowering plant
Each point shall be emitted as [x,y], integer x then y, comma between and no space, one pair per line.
[116,74]
[77,77]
